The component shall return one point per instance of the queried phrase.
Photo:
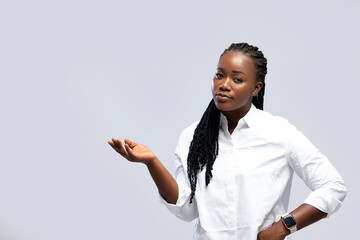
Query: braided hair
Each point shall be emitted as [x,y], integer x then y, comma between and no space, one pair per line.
[204,146]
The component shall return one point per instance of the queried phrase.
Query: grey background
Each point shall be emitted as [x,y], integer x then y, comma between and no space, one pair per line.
[76,73]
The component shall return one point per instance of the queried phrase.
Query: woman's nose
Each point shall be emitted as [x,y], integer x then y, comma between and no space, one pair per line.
[225,84]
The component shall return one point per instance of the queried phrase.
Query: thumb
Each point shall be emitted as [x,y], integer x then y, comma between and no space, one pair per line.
[130,143]
[129,151]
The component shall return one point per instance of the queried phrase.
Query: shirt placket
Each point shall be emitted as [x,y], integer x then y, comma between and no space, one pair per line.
[231,190]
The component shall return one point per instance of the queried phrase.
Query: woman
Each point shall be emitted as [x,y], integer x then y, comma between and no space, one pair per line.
[234,167]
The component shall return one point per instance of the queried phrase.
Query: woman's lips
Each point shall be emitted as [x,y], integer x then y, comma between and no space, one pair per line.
[222,97]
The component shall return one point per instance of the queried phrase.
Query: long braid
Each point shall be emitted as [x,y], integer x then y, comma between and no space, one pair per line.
[204,146]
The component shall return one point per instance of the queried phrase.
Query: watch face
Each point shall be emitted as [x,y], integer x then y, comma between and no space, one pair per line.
[289,221]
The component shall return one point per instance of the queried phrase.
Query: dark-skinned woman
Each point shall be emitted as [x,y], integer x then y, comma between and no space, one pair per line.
[234,167]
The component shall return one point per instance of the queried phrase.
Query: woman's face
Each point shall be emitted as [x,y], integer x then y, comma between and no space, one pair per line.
[235,83]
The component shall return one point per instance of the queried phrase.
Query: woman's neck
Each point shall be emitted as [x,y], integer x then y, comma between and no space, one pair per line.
[234,116]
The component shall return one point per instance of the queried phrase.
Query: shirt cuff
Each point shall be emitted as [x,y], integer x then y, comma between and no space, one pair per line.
[325,201]
[182,209]
[183,197]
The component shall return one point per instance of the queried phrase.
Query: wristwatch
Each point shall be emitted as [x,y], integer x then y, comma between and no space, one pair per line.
[289,222]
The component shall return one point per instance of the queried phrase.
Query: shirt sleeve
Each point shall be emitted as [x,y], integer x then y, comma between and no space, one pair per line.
[182,209]
[328,188]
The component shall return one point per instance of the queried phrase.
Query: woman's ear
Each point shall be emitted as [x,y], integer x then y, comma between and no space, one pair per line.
[257,88]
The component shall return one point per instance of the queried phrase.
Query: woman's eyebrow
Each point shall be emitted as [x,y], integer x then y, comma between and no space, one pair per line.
[240,72]
[234,71]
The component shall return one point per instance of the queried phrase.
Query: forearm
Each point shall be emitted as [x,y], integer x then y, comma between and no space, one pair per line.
[164,181]
[304,215]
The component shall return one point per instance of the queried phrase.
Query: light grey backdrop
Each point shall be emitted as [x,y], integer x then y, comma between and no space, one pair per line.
[76,73]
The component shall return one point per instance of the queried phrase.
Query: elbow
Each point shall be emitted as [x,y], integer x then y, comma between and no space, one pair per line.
[339,189]
[188,212]
[187,217]
[344,191]
[339,193]
[328,198]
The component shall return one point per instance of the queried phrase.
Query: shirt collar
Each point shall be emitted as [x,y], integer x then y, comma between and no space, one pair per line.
[249,119]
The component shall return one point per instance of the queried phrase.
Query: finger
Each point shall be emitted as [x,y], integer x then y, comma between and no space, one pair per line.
[115,140]
[129,151]
[113,145]
[117,144]
[130,143]
[119,148]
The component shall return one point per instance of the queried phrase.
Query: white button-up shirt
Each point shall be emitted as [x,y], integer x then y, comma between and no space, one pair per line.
[252,177]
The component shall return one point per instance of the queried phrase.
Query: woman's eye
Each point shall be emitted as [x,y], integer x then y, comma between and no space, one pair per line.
[218,75]
[238,80]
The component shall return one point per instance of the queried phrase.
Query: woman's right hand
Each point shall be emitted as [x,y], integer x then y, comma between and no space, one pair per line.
[135,152]
[132,151]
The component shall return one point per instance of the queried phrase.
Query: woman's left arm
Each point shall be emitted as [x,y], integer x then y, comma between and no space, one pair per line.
[304,215]
[328,188]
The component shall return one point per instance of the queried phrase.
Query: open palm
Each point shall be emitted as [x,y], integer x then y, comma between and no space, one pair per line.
[132,151]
